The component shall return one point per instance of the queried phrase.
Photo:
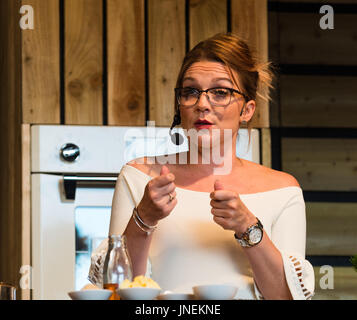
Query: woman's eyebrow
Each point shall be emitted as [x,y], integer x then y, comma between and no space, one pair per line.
[188,78]
[214,79]
[225,79]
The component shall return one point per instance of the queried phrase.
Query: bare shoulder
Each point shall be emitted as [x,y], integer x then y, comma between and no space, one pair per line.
[270,179]
[146,165]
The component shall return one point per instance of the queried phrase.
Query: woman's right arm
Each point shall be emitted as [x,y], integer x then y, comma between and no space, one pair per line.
[154,206]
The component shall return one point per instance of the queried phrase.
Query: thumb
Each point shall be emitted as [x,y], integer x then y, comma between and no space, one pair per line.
[218,185]
[164,170]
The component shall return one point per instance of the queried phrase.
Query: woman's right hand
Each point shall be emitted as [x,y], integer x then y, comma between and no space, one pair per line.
[155,204]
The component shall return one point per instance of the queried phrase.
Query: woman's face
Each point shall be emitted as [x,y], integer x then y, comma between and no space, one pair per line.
[204,75]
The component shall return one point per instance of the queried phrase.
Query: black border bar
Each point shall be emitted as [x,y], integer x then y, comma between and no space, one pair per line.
[323,132]
[317,70]
[330,196]
[334,261]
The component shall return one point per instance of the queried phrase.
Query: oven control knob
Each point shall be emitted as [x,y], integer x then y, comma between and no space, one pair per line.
[69,152]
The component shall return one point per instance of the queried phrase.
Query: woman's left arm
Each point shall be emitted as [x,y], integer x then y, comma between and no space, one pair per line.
[269,263]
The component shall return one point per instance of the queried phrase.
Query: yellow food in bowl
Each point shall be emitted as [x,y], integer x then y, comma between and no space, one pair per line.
[139,281]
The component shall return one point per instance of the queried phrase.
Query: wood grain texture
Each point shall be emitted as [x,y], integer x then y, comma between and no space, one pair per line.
[250,22]
[126,62]
[207,17]
[302,41]
[331,228]
[318,101]
[344,281]
[166,41]
[83,62]
[26,204]
[266,147]
[10,143]
[41,64]
[321,164]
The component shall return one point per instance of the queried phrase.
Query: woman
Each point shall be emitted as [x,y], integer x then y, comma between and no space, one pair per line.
[193,226]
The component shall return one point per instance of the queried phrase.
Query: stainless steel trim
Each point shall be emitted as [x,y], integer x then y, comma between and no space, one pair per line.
[71,182]
[7,291]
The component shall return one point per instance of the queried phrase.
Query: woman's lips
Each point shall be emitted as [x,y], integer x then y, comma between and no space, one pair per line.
[203,125]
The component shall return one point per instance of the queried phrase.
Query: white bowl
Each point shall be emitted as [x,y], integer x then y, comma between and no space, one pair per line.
[101,294]
[138,293]
[215,292]
[176,296]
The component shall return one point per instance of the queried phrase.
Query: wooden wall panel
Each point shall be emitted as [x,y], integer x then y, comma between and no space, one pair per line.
[331,228]
[41,64]
[166,41]
[304,42]
[83,62]
[314,101]
[25,293]
[207,17]
[126,62]
[10,143]
[321,164]
[249,19]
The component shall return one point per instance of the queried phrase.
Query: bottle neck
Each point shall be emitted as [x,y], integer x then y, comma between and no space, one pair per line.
[116,241]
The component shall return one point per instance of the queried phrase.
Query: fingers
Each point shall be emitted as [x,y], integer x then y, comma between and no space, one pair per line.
[230,204]
[218,185]
[221,195]
[223,222]
[164,170]
[164,178]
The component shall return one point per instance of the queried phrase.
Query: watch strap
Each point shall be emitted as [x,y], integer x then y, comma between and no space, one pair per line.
[244,239]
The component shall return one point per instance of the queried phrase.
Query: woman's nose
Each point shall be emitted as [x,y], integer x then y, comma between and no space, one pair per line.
[203,102]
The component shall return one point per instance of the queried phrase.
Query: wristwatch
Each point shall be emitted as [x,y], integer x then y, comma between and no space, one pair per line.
[252,236]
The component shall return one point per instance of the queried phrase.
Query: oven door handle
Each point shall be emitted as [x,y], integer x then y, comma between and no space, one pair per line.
[70,183]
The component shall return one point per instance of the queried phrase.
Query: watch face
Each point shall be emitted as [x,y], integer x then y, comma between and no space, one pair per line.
[255,235]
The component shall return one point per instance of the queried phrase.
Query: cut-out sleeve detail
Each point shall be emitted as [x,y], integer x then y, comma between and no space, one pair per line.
[300,277]
[257,293]
[288,234]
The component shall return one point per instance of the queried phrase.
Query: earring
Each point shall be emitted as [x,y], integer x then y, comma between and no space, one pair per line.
[176,138]
[244,123]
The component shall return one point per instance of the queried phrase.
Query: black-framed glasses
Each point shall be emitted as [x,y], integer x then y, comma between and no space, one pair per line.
[218,96]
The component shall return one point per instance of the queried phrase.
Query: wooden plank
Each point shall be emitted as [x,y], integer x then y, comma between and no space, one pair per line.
[318,101]
[26,204]
[40,64]
[207,17]
[321,164]
[166,41]
[83,62]
[10,142]
[344,284]
[126,62]
[313,45]
[250,21]
[266,147]
[331,228]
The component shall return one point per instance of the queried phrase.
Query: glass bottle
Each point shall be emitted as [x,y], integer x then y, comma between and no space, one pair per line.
[117,265]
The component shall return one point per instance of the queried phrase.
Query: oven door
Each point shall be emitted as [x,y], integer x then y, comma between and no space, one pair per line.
[67,224]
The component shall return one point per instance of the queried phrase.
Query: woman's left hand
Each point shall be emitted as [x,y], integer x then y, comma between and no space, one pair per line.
[229,211]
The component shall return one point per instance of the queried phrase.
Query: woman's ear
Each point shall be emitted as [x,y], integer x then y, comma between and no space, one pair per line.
[247,111]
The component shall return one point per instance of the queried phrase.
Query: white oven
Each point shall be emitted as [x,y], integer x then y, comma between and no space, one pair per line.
[73,175]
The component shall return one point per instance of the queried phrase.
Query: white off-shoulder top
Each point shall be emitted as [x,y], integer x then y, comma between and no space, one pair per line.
[188,248]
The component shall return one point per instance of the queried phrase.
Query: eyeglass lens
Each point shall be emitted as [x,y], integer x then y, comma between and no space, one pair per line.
[216,96]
